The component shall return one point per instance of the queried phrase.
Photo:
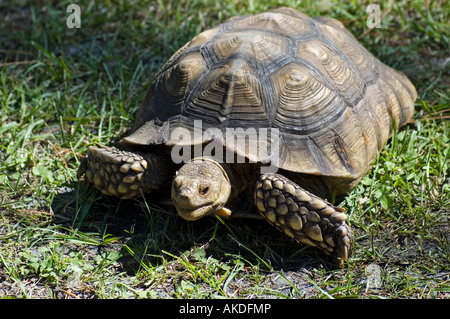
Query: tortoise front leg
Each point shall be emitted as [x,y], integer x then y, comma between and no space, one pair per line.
[124,174]
[304,216]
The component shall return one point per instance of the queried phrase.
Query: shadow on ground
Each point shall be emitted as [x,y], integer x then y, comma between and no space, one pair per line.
[140,222]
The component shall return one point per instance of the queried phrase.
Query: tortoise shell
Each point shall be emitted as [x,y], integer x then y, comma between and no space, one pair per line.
[333,103]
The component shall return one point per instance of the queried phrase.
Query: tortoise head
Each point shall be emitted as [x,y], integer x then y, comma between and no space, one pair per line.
[200,188]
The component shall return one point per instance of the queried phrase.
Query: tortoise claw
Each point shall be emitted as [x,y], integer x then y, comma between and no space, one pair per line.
[343,236]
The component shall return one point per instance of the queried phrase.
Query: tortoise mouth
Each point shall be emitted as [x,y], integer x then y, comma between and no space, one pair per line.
[196,213]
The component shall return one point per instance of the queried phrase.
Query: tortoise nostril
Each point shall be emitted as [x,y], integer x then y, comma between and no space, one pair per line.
[185,192]
[184,196]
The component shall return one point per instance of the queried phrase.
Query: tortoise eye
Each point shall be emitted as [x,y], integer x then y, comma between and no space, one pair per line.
[204,190]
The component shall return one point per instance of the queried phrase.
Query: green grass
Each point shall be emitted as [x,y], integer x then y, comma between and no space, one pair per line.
[62,90]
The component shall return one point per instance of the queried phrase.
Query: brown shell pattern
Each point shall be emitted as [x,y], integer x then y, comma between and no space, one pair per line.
[334,103]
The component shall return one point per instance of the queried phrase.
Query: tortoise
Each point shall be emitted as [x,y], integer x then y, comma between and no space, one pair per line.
[302,87]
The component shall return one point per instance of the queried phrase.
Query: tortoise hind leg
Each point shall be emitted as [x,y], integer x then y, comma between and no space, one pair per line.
[124,174]
[304,216]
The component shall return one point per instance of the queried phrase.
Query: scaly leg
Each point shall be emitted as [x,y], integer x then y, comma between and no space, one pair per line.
[124,174]
[304,216]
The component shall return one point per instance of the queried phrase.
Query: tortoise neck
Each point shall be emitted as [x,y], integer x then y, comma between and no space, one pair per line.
[239,175]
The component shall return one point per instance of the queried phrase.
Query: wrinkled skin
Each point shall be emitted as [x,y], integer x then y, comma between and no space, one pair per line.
[200,188]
